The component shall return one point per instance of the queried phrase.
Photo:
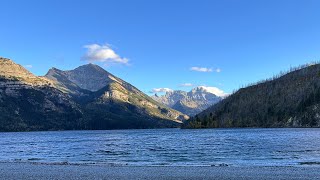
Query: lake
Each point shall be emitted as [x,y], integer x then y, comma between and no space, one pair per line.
[166,147]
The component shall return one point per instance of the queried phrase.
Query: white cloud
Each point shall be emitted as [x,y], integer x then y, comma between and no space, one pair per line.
[28,66]
[201,69]
[161,90]
[204,69]
[186,85]
[103,53]
[214,90]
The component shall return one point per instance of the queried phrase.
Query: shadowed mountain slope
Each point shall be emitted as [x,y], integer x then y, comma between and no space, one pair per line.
[107,89]
[85,98]
[28,102]
[290,100]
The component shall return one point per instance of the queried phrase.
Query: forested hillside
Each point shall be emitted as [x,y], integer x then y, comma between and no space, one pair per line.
[290,100]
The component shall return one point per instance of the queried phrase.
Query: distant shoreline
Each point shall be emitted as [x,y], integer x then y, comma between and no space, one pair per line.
[220,128]
[42,171]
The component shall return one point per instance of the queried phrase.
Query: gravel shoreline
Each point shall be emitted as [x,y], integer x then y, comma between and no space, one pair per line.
[46,171]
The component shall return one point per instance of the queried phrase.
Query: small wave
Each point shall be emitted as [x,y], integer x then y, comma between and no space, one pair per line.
[309,163]
[105,151]
[158,149]
[298,151]
[113,152]
[34,159]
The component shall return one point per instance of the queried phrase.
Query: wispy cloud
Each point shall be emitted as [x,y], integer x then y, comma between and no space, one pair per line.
[160,90]
[186,85]
[201,69]
[103,53]
[205,69]
[29,66]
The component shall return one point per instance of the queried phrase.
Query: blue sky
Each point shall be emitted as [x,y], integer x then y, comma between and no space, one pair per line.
[162,44]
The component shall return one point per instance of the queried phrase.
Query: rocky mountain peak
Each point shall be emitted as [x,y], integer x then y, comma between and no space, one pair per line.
[208,90]
[201,89]
[53,71]
[92,68]
[9,68]
[63,100]
[91,77]
[198,89]
[6,59]
[104,87]
[12,71]
[191,102]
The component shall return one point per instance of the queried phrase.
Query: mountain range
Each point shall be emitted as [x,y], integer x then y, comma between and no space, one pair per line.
[190,103]
[87,97]
[289,100]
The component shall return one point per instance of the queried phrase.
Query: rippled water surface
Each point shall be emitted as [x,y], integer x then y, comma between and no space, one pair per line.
[166,147]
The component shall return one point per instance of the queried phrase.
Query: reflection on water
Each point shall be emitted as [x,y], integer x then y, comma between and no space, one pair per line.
[166,147]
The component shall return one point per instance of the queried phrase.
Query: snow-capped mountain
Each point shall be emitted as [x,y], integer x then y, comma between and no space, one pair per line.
[193,102]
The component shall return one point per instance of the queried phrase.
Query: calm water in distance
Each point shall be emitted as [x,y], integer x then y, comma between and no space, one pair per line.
[166,147]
